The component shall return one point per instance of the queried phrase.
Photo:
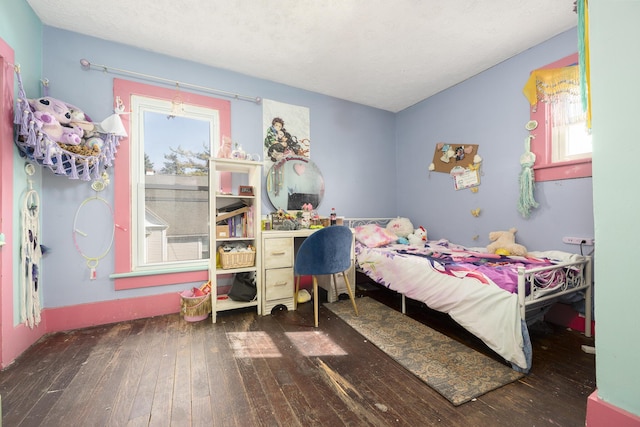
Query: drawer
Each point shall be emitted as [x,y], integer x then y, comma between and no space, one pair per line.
[279,283]
[278,253]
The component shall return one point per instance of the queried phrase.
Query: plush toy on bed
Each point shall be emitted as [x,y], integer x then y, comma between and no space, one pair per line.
[504,243]
[418,237]
[401,227]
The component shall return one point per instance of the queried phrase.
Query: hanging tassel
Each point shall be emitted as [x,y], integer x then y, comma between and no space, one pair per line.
[59,166]
[42,145]
[20,116]
[32,135]
[74,169]
[96,168]
[527,200]
[85,170]
[109,149]
[24,123]
[47,156]
[527,160]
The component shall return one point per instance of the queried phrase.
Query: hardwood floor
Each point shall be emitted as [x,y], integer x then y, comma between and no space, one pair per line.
[275,370]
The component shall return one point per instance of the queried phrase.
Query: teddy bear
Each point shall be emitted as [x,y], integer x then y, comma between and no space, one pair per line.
[504,243]
[418,237]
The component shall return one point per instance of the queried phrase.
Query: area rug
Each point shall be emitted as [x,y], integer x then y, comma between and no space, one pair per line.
[454,370]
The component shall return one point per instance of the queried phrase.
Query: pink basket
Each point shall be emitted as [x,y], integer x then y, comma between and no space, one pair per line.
[194,308]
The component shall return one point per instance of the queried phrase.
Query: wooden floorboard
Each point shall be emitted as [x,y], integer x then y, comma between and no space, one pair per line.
[275,370]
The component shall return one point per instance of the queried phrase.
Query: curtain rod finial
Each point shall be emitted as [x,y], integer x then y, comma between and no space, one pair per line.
[85,64]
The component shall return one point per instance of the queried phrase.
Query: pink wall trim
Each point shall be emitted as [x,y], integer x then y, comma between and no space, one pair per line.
[105,312]
[603,414]
[122,178]
[170,278]
[544,169]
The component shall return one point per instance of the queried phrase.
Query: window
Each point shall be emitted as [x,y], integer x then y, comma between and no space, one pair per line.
[162,212]
[562,142]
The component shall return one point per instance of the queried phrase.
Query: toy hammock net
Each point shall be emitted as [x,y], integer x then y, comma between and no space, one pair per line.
[72,161]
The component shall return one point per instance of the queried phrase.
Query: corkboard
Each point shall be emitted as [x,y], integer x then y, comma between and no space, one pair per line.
[465,160]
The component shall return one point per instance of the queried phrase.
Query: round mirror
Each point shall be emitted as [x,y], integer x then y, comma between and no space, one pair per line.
[293,182]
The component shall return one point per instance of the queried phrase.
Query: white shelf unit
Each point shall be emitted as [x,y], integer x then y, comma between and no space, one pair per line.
[246,173]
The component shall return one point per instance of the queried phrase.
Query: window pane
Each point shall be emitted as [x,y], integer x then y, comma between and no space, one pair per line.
[174,223]
[571,142]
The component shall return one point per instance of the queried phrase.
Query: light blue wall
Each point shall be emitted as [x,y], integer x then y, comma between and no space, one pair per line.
[347,139]
[490,110]
[22,30]
[614,82]
[15,17]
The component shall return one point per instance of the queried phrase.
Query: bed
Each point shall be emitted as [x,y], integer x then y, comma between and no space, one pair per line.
[492,296]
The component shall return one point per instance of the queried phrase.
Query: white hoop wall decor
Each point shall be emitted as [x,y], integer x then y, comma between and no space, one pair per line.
[81,228]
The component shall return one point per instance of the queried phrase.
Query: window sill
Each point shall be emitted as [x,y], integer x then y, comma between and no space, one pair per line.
[151,278]
[565,170]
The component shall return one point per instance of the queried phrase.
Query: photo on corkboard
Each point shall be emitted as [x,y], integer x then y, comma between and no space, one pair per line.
[448,156]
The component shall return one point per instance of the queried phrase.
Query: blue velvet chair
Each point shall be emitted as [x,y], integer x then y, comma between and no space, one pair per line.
[326,251]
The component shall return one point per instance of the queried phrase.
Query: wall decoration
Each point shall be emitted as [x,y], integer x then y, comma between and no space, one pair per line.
[465,178]
[52,133]
[527,181]
[30,255]
[468,177]
[286,132]
[447,156]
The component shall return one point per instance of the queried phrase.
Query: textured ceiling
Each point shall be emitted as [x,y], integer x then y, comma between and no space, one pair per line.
[388,54]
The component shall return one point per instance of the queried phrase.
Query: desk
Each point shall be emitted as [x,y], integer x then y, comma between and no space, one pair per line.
[279,249]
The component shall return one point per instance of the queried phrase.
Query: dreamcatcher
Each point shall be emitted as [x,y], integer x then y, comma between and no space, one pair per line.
[31,254]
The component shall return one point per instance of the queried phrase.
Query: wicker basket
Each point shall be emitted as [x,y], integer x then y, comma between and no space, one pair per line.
[194,308]
[237,259]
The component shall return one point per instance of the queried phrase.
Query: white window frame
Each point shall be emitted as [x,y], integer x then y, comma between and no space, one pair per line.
[139,106]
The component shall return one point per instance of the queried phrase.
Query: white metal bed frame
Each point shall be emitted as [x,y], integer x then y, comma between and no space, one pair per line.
[578,278]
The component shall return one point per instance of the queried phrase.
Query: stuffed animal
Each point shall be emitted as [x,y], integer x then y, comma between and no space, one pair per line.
[94,142]
[48,124]
[55,117]
[71,135]
[53,106]
[401,227]
[81,120]
[225,149]
[504,243]
[418,237]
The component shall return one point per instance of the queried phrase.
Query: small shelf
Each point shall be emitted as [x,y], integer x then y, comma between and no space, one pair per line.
[244,217]
[229,304]
[222,271]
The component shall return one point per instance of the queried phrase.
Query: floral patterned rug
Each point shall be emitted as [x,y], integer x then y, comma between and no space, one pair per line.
[454,370]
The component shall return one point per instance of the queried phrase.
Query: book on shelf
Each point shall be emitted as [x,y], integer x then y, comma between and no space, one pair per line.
[240,224]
